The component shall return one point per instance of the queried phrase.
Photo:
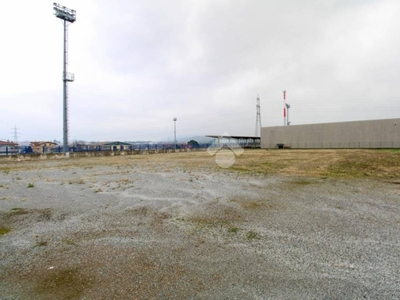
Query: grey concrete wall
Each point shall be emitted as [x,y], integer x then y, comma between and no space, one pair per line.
[357,134]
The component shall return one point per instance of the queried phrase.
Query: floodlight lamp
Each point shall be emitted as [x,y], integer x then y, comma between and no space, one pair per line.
[175,119]
[64,13]
[69,77]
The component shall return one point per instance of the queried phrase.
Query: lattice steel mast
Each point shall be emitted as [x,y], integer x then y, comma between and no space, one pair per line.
[15,131]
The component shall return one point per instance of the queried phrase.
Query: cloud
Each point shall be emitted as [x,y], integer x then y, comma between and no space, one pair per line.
[139,64]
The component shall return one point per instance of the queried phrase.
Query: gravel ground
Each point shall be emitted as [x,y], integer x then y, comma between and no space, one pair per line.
[143,231]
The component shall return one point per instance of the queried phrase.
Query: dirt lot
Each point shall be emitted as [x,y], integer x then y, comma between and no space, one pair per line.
[277,224]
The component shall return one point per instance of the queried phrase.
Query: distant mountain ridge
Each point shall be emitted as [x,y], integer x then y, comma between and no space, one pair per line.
[199,139]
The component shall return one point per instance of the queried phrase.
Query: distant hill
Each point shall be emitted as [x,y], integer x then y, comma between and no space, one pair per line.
[199,139]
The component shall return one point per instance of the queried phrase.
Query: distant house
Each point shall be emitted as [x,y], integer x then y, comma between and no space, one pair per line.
[94,146]
[7,148]
[42,147]
[117,146]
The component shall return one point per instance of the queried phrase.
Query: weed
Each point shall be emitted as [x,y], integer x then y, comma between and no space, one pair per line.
[394,150]
[18,211]
[41,243]
[6,171]
[98,190]
[233,230]
[30,185]
[217,216]
[301,182]
[68,242]
[203,221]
[255,205]
[251,235]
[124,181]
[4,230]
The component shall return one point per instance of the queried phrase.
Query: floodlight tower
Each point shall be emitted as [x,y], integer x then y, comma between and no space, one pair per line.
[68,16]
[258,117]
[175,119]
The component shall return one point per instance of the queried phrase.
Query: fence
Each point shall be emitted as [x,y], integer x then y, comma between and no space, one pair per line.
[8,150]
[114,148]
[135,147]
[39,156]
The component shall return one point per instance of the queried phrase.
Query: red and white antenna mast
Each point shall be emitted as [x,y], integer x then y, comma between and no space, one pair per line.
[284,108]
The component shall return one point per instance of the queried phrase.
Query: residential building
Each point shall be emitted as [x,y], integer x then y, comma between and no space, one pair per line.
[42,147]
[7,148]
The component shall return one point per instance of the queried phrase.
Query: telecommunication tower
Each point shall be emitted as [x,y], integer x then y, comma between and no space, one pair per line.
[284,108]
[258,117]
[67,15]
[287,118]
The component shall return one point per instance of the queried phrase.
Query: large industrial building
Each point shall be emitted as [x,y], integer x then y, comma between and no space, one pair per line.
[358,134]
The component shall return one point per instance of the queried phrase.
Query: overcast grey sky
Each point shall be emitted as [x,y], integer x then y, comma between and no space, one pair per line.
[139,64]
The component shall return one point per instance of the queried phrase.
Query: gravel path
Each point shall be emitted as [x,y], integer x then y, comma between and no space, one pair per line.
[137,231]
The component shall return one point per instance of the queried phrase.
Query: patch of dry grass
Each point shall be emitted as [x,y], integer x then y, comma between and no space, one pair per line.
[255,205]
[353,163]
[67,282]
[216,215]
[376,164]
[321,163]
